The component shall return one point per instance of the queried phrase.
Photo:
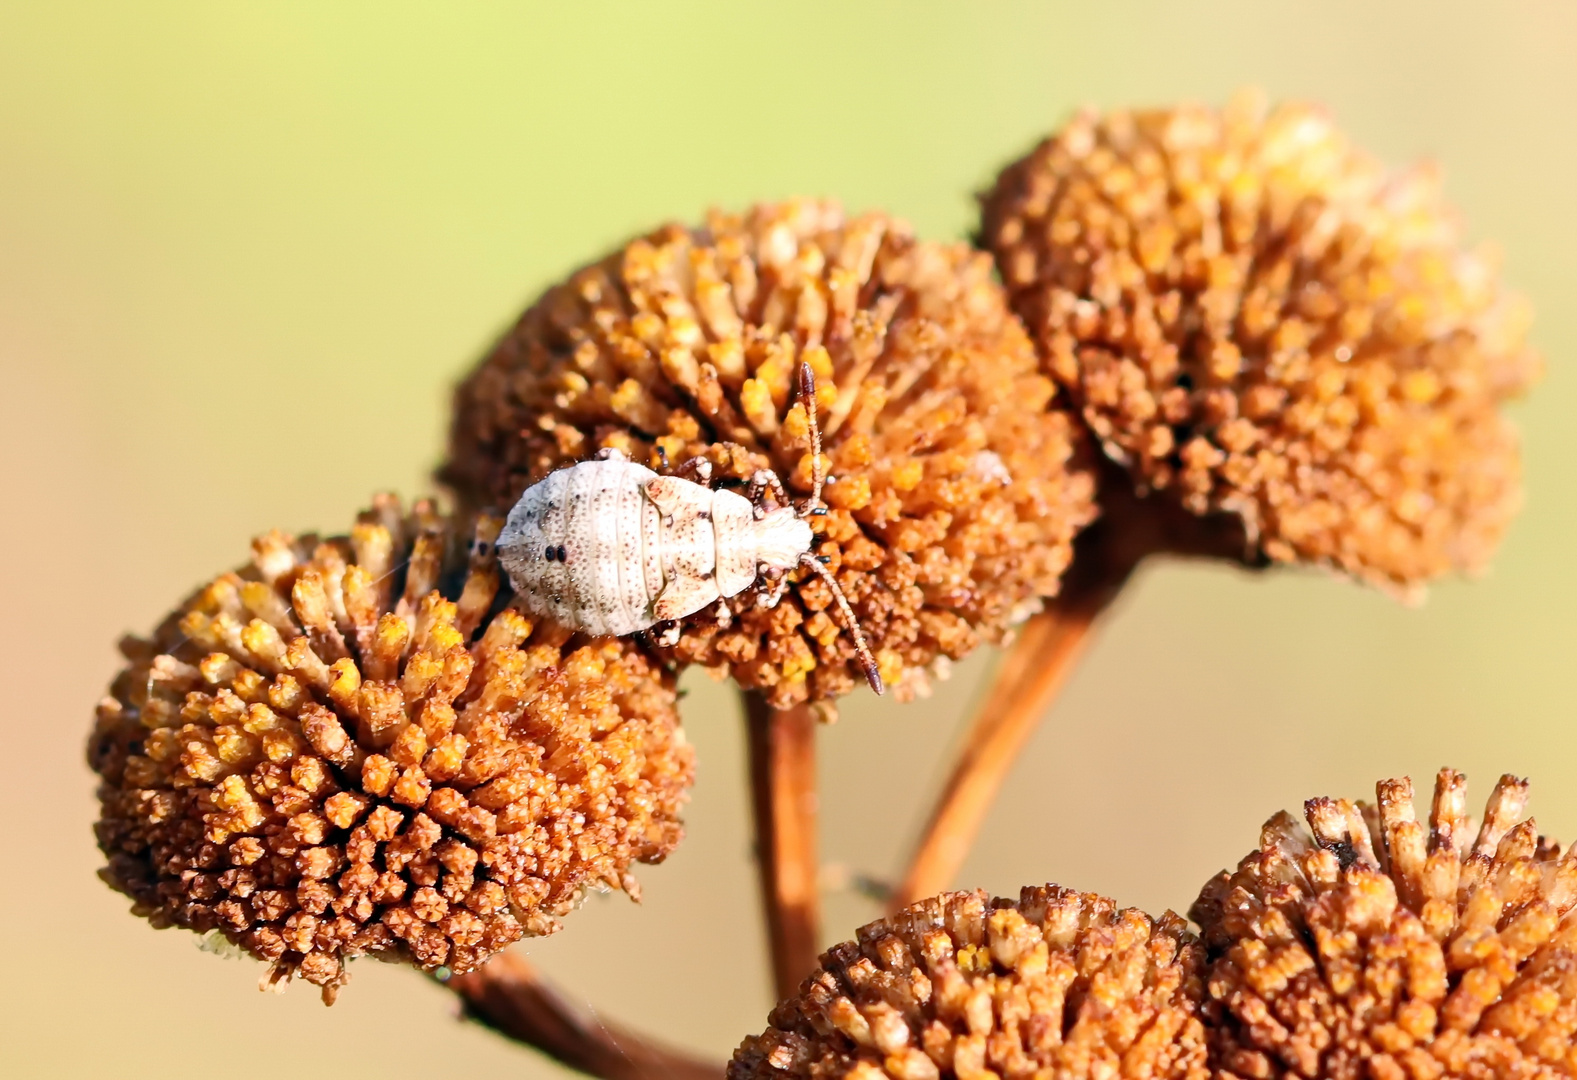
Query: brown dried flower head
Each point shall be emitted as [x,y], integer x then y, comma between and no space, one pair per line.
[953,501]
[1372,946]
[352,747]
[1256,319]
[1059,983]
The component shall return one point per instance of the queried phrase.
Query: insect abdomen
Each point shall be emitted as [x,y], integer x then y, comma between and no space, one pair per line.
[581,548]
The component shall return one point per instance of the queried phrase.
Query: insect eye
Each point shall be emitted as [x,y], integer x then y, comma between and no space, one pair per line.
[548,553]
[561,553]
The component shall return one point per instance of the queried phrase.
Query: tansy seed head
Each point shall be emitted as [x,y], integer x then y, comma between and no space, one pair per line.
[1256,320]
[352,747]
[953,488]
[1374,944]
[1057,984]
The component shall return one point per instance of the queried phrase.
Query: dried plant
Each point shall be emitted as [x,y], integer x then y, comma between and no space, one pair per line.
[966,986]
[1374,943]
[1255,319]
[954,491]
[346,748]
[1217,333]
[1282,351]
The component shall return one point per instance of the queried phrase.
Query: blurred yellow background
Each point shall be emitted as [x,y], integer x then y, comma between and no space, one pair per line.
[245,249]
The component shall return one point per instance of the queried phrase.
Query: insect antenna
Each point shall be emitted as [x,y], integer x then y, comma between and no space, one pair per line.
[807,394]
[862,650]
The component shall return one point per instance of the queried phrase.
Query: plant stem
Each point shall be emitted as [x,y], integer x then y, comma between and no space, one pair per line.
[509,996]
[783,796]
[1130,530]
[1032,673]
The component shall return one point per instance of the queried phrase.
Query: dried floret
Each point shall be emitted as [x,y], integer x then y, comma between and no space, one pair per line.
[1372,945]
[352,746]
[954,492]
[1057,984]
[1257,320]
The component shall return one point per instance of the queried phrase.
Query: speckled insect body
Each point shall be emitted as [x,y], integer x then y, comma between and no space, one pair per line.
[610,548]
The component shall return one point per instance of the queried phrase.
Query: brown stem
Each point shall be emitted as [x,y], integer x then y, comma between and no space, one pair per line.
[783,797]
[1034,670]
[509,996]
[1131,529]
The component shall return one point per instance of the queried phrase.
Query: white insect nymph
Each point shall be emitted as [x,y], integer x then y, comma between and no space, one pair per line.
[612,548]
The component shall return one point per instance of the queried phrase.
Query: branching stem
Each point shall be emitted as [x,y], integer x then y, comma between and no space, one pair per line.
[509,996]
[783,795]
[1038,664]
[1027,682]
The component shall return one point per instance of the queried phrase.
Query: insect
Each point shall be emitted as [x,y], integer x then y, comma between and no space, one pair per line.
[612,548]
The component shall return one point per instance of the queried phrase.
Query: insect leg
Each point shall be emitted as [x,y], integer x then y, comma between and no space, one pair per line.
[861,650]
[725,617]
[697,468]
[764,482]
[668,635]
[768,595]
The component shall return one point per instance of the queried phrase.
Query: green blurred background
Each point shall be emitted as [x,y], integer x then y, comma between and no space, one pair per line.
[245,249]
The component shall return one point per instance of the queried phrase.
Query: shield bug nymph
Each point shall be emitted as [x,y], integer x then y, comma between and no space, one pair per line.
[611,548]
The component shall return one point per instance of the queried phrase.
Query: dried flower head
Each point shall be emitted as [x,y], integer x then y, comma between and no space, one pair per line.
[953,499]
[352,747]
[1370,946]
[1058,984]
[1256,319]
